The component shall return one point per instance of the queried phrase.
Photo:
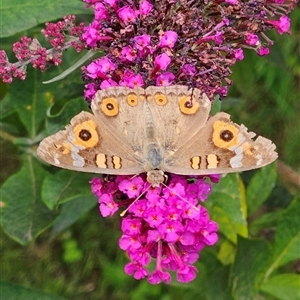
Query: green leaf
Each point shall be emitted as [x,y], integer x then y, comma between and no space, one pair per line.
[216,107]
[249,267]
[10,291]
[57,121]
[6,106]
[71,69]
[63,186]
[227,206]
[30,99]
[71,211]
[260,187]
[226,253]
[287,237]
[24,216]
[267,220]
[20,15]
[216,277]
[283,286]
[72,252]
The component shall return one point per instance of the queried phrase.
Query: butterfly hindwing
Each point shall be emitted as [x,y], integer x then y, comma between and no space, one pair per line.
[221,146]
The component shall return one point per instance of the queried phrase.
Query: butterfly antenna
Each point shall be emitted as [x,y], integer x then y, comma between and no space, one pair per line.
[187,202]
[134,176]
[122,214]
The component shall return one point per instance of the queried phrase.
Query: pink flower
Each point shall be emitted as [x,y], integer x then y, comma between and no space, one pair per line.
[107,205]
[136,270]
[188,70]
[131,80]
[127,14]
[131,226]
[232,2]
[127,242]
[90,90]
[262,51]
[164,224]
[100,67]
[112,3]
[158,276]
[187,274]
[101,12]
[132,188]
[142,41]
[168,39]
[283,25]
[145,8]
[238,54]
[107,83]
[218,38]
[251,39]
[127,53]
[162,61]
[91,34]
[153,217]
[165,79]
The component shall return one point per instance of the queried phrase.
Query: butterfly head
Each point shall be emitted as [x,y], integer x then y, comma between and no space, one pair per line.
[156,177]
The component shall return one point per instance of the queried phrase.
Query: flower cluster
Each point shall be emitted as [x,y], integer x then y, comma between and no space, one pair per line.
[187,42]
[165,223]
[61,35]
[158,42]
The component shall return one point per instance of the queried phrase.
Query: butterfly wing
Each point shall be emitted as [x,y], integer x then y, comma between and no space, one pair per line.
[178,114]
[85,145]
[221,146]
[121,113]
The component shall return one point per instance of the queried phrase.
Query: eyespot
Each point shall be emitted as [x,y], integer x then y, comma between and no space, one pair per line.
[110,107]
[160,99]
[225,135]
[188,105]
[85,134]
[132,99]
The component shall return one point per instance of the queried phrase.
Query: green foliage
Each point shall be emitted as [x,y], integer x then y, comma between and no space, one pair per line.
[19,15]
[259,224]
[15,292]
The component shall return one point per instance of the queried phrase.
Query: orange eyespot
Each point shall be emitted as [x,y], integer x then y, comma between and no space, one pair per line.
[85,134]
[225,135]
[110,107]
[132,99]
[160,99]
[188,105]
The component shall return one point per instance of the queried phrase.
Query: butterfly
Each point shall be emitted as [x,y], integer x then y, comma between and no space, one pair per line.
[155,130]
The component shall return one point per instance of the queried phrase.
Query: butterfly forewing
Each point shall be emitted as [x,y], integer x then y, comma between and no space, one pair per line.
[85,146]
